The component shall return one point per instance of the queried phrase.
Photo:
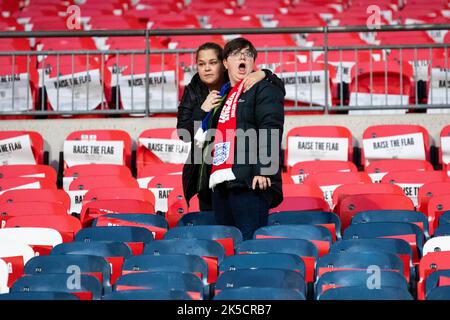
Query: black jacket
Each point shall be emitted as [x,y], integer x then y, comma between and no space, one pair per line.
[190,112]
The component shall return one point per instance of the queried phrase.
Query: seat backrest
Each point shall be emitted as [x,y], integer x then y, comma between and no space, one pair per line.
[285,261]
[299,203]
[182,281]
[36,195]
[363,293]
[436,207]
[265,278]
[88,287]
[38,296]
[359,261]
[66,225]
[431,262]
[199,218]
[431,189]
[228,236]
[16,255]
[325,219]
[156,224]
[160,146]
[26,183]
[444,149]
[28,171]
[35,139]
[148,295]
[351,278]
[251,293]
[397,230]
[111,142]
[319,236]
[87,264]
[318,142]
[42,240]
[377,169]
[301,170]
[437,279]
[4,275]
[88,170]
[399,141]
[167,262]
[305,250]
[410,216]
[353,204]
[134,237]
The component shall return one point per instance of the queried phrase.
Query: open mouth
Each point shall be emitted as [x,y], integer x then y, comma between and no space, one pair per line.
[242,67]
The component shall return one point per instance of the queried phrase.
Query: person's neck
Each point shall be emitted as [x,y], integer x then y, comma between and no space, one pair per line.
[217,86]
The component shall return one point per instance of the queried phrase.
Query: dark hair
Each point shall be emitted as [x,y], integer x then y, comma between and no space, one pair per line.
[210,46]
[237,45]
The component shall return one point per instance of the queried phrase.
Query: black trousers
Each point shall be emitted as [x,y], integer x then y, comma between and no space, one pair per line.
[243,208]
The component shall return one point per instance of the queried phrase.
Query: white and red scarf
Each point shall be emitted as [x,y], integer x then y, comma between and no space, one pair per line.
[223,147]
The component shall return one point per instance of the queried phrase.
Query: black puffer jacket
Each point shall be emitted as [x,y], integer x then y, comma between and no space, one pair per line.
[189,114]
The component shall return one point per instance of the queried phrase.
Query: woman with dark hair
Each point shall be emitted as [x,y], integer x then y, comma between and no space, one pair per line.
[200,97]
[245,174]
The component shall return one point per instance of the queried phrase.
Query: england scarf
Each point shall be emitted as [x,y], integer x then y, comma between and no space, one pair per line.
[223,148]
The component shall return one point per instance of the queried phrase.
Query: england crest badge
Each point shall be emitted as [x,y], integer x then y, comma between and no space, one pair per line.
[221,153]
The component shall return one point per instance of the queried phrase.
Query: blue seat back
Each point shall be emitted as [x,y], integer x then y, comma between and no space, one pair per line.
[259,294]
[306,217]
[439,293]
[59,283]
[351,278]
[38,296]
[148,295]
[121,234]
[145,219]
[364,293]
[432,281]
[102,249]
[201,218]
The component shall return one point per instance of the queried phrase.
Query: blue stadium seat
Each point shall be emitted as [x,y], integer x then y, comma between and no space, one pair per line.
[259,294]
[439,293]
[211,251]
[352,278]
[135,237]
[167,262]
[87,286]
[393,216]
[228,236]
[88,264]
[303,249]
[401,230]
[363,293]
[327,219]
[284,261]
[148,295]
[200,218]
[182,281]
[320,236]
[396,246]
[442,230]
[38,296]
[358,261]
[261,278]
[444,218]
[434,280]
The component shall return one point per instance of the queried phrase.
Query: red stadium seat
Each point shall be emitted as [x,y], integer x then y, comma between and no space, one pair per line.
[437,205]
[318,143]
[36,142]
[302,169]
[36,195]
[429,190]
[430,263]
[444,150]
[352,204]
[28,171]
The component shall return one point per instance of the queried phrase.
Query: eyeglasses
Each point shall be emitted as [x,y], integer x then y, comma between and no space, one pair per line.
[239,55]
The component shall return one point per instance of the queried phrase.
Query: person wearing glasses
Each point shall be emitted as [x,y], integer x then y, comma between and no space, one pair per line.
[243,145]
[201,96]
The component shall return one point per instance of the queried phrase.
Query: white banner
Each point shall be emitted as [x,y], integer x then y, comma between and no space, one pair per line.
[411,190]
[445,147]
[167,150]
[86,152]
[306,87]
[76,88]
[16,150]
[376,177]
[343,71]
[316,148]
[76,200]
[407,146]
[439,89]
[19,87]
[161,198]
[132,91]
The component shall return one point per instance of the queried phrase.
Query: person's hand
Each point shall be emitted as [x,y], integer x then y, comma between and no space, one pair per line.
[253,78]
[211,101]
[262,182]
